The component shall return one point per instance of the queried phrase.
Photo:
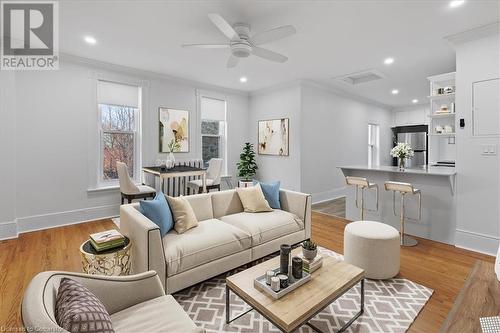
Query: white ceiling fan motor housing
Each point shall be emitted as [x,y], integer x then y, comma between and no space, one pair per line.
[241,48]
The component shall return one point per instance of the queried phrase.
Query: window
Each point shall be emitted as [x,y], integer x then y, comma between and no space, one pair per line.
[213,129]
[119,129]
[373,144]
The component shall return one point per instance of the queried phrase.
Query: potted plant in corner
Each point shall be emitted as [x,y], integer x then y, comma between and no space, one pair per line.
[247,167]
[402,151]
[309,250]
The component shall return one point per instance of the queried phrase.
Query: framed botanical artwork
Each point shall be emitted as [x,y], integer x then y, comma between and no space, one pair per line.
[274,137]
[174,130]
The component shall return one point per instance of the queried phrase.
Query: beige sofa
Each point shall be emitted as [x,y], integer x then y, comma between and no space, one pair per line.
[226,237]
[147,309]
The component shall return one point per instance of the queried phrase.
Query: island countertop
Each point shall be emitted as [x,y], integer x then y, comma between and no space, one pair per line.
[428,170]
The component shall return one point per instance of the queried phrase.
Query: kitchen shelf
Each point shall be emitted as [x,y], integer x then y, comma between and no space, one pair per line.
[443,96]
[442,134]
[442,115]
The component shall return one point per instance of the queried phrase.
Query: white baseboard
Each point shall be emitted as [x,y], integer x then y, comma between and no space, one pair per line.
[52,220]
[328,195]
[8,230]
[477,242]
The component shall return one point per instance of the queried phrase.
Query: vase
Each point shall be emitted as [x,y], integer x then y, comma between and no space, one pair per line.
[309,254]
[245,183]
[401,163]
[170,160]
[285,250]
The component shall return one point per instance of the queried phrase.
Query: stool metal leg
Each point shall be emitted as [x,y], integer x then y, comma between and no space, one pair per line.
[405,240]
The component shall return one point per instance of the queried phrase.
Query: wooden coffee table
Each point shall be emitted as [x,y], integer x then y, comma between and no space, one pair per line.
[295,309]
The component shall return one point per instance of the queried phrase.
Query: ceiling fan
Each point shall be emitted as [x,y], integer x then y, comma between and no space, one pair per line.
[242,44]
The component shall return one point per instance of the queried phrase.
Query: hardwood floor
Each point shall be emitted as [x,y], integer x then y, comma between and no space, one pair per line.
[334,207]
[438,266]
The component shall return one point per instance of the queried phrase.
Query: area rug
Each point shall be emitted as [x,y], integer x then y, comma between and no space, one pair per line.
[390,306]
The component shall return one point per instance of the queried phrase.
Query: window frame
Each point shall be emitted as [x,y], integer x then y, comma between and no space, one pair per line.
[373,147]
[223,139]
[137,132]
[137,150]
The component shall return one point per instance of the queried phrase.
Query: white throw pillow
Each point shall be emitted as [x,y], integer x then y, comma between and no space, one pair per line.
[253,199]
[183,213]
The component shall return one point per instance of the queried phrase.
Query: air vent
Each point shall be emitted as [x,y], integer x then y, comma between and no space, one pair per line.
[360,77]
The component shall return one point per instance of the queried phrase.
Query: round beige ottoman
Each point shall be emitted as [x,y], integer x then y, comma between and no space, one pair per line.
[374,247]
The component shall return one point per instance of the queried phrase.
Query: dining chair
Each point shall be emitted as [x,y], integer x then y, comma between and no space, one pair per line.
[128,189]
[212,180]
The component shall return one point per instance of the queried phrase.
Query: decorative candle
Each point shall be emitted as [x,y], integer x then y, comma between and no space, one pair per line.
[297,267]
[285,250]
[275,283]
[283,280]
[269,275]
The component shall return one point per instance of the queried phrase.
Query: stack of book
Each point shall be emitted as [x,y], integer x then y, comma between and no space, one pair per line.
[106,240]
[310,266]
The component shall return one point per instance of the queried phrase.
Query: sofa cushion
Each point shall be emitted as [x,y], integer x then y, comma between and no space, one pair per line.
[161,314]
[202,206]
[184,216]
[158,211]
[79,310]
[253,199]
[210,240]
[265,226]
[226,203]
[271,192]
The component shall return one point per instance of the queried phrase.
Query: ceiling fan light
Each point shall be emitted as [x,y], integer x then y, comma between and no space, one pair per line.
[241,50]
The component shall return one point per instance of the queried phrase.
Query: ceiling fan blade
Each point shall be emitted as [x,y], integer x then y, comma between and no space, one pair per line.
[206,46]
[232,61]
[223,26]
[268,54]
[273,34]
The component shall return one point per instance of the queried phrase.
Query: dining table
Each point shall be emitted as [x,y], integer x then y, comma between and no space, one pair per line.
[180,171]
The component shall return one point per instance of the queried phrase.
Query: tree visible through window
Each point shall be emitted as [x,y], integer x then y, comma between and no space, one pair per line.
[118,135]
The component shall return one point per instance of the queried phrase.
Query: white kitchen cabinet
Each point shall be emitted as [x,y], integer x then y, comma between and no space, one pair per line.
[417,116]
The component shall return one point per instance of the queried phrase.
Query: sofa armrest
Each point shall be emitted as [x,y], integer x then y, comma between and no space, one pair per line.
[299,204]
[147,251]
[113,291]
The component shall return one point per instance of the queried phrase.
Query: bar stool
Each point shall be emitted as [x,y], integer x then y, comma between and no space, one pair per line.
[362,183]
[404,189]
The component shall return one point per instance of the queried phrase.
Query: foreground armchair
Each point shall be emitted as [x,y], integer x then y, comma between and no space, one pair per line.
[135,303]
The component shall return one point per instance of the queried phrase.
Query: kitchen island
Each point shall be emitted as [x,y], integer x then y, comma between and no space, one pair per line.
[438,199]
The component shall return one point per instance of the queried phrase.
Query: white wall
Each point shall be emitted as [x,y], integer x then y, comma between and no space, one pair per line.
[55,139]
[326,130]
[335,133]
[278,103]
[8,151]
[478,184]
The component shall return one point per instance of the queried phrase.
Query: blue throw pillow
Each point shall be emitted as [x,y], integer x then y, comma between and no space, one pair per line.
[271,193]
[158,211]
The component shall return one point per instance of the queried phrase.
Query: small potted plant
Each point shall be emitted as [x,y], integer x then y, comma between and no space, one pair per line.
[247,167]
[402,151]
[309,250]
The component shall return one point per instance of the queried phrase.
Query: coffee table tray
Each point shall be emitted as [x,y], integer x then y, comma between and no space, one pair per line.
[260,284]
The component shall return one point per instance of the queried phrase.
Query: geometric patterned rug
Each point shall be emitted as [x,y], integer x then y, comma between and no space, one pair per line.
[390,306]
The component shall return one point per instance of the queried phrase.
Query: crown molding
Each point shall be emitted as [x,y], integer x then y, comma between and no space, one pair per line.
[474,34]
[144,74]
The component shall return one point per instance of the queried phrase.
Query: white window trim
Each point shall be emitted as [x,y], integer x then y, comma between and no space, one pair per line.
[94,157]
[224,138]
[373,147]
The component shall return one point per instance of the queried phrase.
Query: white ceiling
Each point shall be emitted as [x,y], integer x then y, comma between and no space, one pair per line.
[333,38]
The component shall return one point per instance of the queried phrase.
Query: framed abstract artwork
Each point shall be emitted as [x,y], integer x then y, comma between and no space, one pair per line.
[274,137]
[174,130]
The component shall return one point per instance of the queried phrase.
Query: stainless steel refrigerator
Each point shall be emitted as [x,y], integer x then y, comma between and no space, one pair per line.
[418,142]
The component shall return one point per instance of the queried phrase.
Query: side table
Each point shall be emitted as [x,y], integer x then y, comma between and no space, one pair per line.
[110,262]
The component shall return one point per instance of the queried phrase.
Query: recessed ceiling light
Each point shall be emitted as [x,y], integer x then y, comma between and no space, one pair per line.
[388,61]
[456,3]
[243,79]
[414,101]
[395,91]
[91,40]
